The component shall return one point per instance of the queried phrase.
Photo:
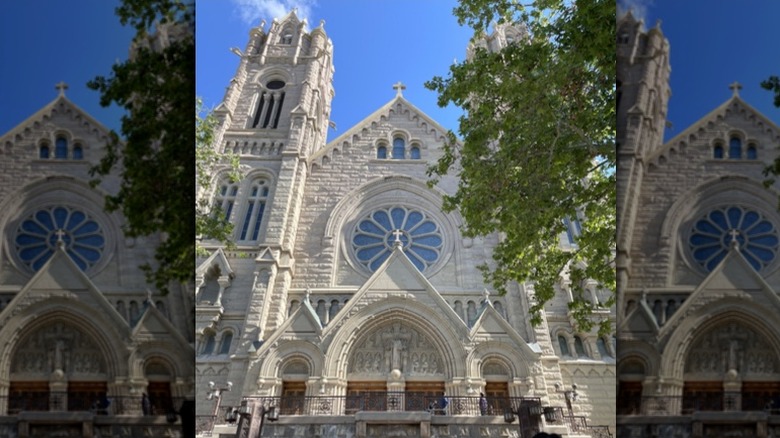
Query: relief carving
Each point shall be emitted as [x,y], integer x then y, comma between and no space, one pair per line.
[58,347]
[732,348]
[396,348]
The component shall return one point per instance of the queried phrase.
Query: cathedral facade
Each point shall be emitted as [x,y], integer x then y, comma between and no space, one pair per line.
[83,337]
[350,301]
[699,354]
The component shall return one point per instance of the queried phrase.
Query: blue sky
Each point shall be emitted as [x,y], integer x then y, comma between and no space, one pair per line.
[376,44]
[714,43]
[43,42]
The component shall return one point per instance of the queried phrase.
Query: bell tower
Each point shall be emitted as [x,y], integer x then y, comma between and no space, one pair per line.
[642,99]
[274,115]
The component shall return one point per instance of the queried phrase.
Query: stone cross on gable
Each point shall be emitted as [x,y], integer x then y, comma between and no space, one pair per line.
[399,87]
[398,234]
[734,233]
[61,87]
[735,87]
[60,233]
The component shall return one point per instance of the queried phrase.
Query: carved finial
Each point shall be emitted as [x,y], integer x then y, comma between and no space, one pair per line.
[486,295]
[322,24]
[399,87]
[262,24]
[61,87]
[307,296]
[149,297]
[735,87]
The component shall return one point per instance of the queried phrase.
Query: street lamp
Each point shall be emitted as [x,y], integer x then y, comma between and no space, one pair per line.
[245,411]
[216,392]
[534,410]
[571,395]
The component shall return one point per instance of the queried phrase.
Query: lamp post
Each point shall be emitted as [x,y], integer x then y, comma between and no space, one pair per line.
[533,410]
[246,413]
[216,392]
[570,395]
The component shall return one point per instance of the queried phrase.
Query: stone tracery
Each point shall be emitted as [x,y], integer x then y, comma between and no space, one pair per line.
[732,347]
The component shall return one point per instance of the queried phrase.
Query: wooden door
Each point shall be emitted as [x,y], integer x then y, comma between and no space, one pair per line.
[629,398]
[366,396]
[420,396]
[497,395]
[293,398]
[87,396]
[160,397]
[28,396]
[702,396]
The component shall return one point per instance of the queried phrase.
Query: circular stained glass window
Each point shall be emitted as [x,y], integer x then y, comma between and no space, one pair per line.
[42,231]
[375,235]
[713,233]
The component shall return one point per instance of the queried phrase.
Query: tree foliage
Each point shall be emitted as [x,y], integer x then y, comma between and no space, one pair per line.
[773,84]
[156,160]
[209,223]
[538,146]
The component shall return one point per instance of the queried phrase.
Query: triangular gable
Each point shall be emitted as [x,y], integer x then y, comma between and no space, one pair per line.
[347,136]
[153,325]
[61,277]
[266,255]
[714,115]
[92,125]
[734,275]
[639,320]
[304,321]
[220,259]
[491,324]
[398,275]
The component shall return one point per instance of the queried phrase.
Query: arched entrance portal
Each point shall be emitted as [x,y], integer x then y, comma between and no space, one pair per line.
[731,367]
[395,366]
[58,367]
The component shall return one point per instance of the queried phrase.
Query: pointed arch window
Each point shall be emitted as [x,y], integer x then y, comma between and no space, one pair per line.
[735,148]
[225,199]
[286,36]
[399,148]
[602,346]
[208,344]
[269,106]
[255,208]
[61,148]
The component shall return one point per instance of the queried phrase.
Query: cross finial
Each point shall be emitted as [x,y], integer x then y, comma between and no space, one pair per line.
[734,233]
[735,87]
[60,233]
[486,295]
[307,296]
[397,234]
[399,87]
[61,87]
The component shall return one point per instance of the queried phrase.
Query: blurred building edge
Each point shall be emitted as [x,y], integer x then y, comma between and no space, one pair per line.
[83,337]
[351,301]
[698,332]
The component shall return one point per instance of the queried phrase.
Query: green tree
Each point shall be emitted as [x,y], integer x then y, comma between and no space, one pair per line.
[209,222]
[538,145]
[773,84]
[156,160]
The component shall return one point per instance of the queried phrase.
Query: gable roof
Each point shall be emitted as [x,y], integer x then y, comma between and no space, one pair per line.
[399,104]
[681,140]
[61,103]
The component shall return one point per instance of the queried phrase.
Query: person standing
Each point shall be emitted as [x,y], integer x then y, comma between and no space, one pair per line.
[482,404]
[146,405]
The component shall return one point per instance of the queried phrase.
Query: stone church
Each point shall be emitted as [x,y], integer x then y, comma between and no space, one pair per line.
[83,336]
[350,302]
[697,265]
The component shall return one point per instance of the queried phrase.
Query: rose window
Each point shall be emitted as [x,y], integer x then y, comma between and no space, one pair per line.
[39,235]
[713,233]
[376,233]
